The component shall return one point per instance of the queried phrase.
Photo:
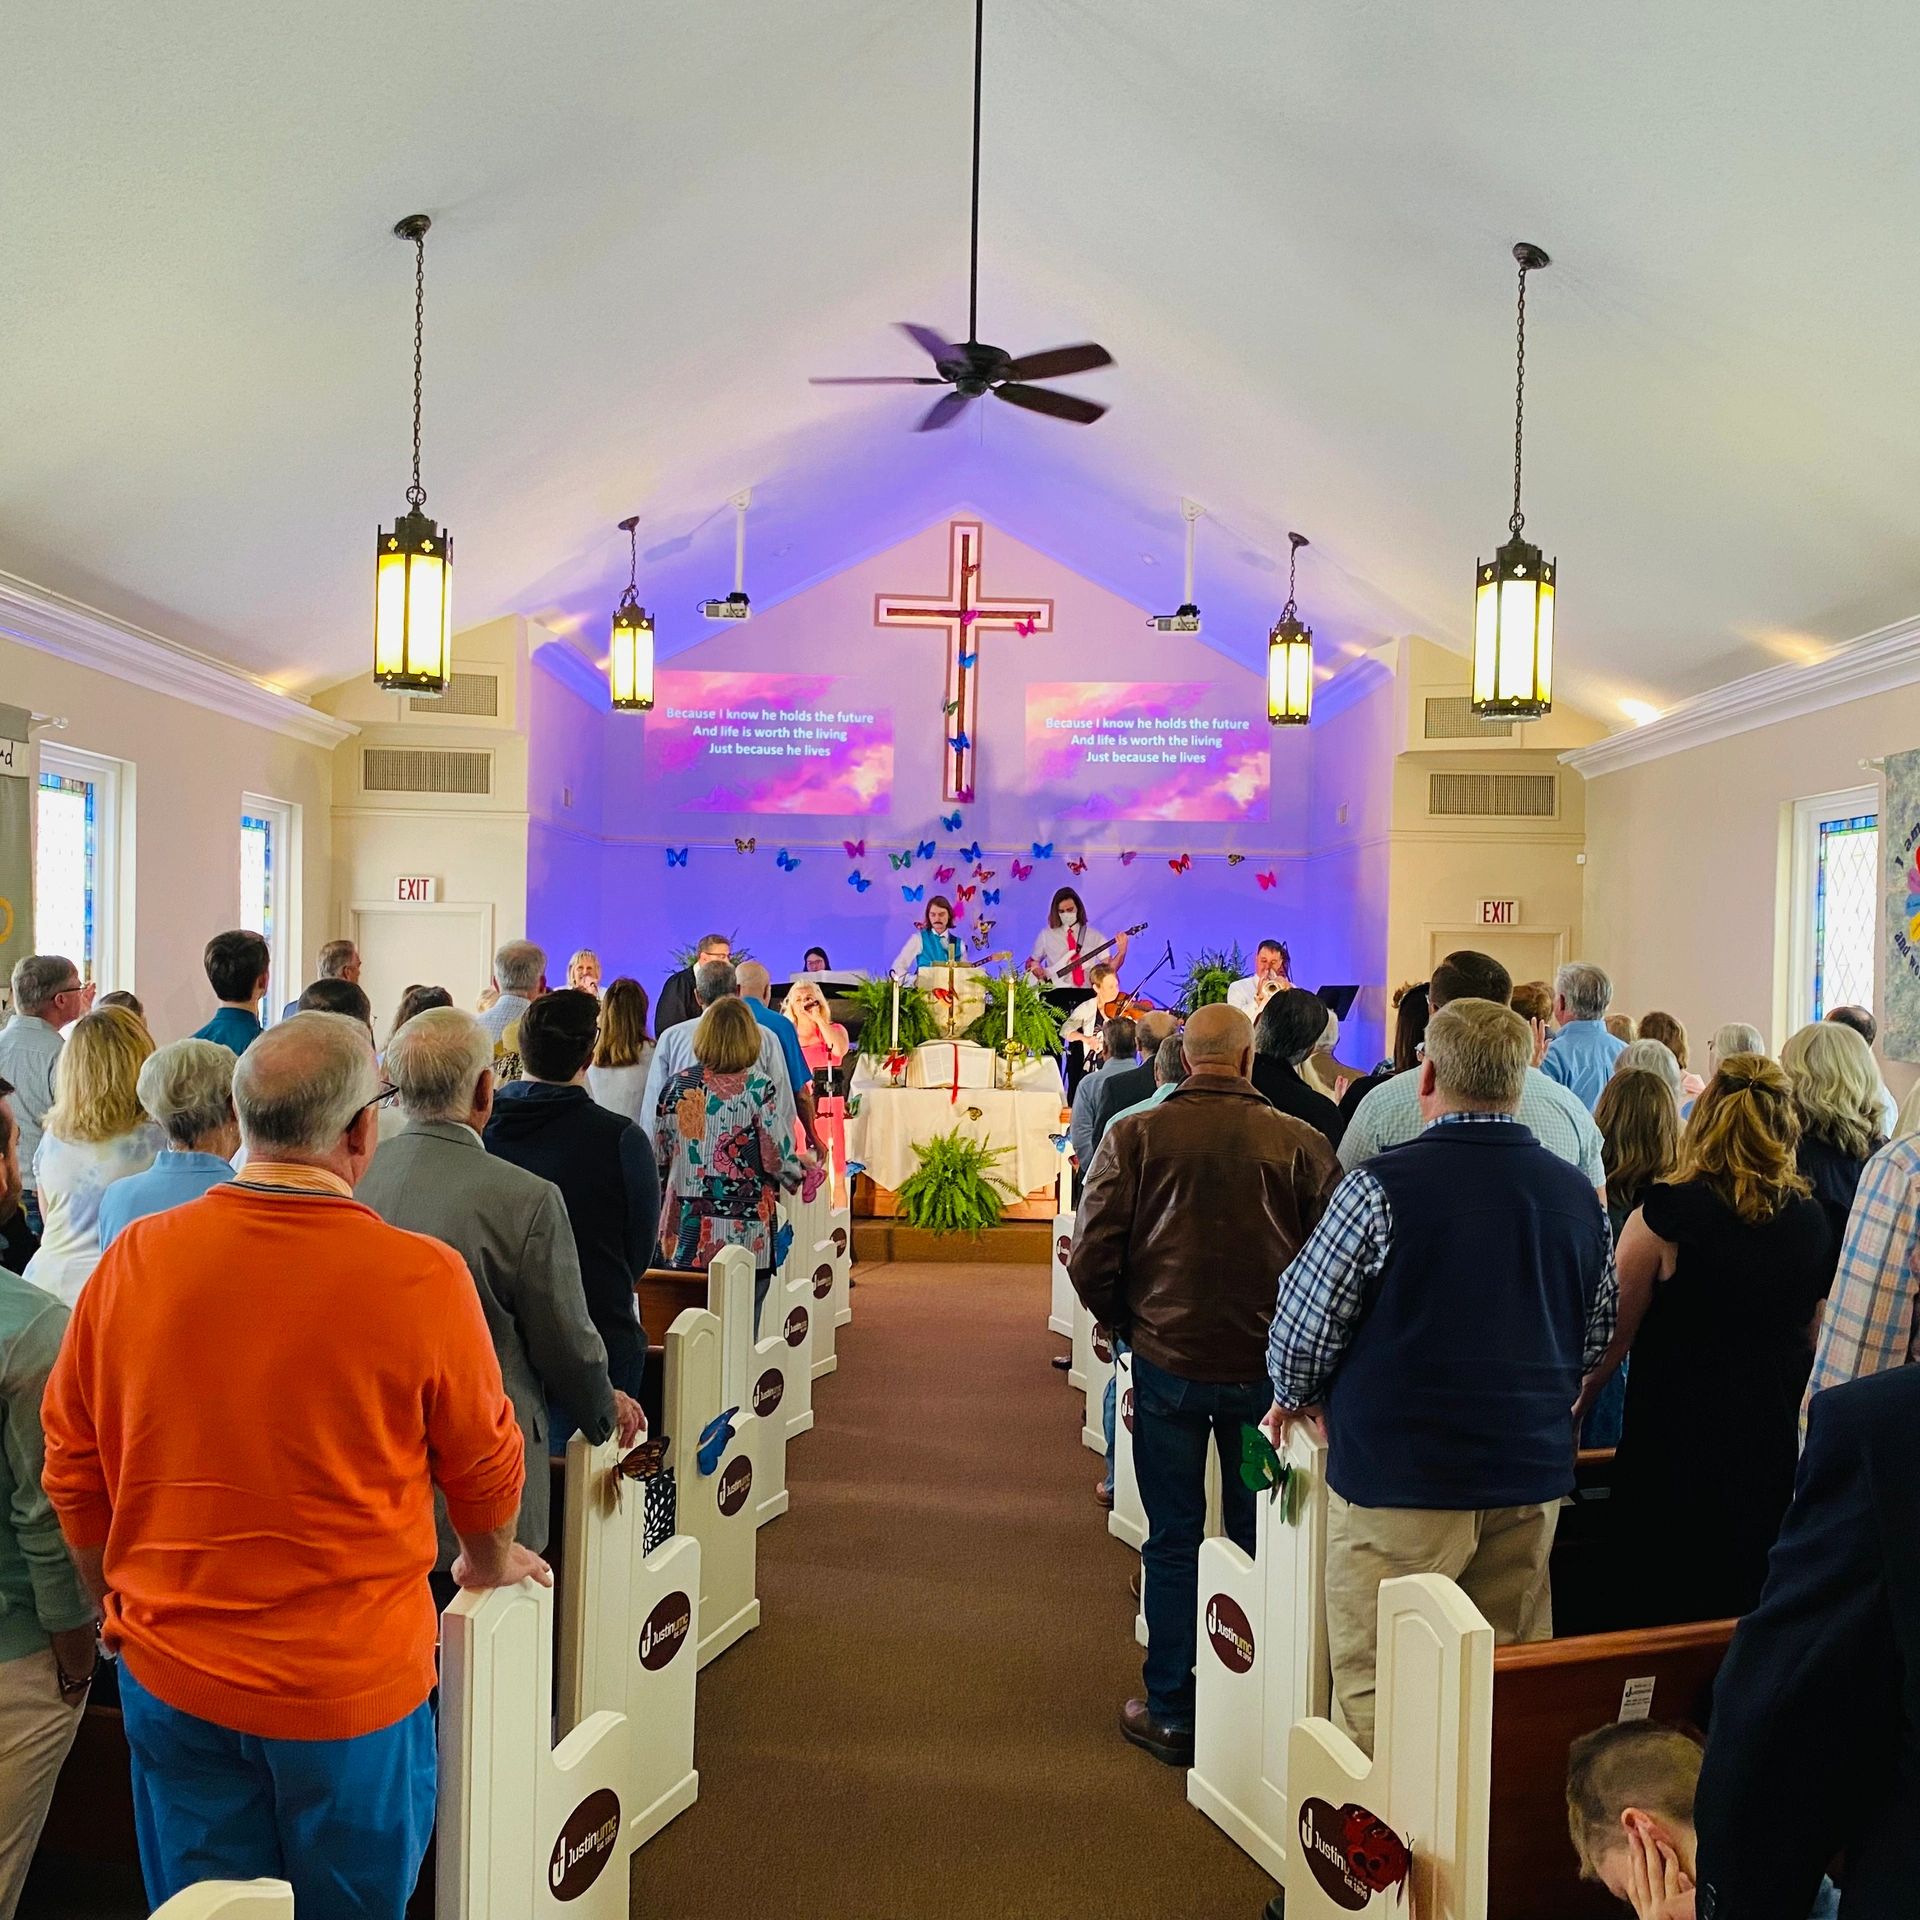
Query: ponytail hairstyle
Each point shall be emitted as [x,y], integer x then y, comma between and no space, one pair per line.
[1741,1140]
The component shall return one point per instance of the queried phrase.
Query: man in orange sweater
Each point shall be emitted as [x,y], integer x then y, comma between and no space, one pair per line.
[256,1397]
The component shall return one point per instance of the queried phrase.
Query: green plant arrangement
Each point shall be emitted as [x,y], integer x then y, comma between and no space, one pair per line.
[874,999]
[1210,972]
[954,1189]
[685,955]
[1036,1026]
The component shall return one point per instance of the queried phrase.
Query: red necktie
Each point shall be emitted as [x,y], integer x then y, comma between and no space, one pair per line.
[1073,954]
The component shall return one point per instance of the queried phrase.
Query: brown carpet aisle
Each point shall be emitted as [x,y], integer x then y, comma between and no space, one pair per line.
[923,1726]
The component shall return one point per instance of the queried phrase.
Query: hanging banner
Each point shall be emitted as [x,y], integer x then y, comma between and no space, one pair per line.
[16,845]
[1900,849]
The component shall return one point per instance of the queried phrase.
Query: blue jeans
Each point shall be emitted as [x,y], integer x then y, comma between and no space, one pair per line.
[1172,1419]
[347,1822]
[1112,1396]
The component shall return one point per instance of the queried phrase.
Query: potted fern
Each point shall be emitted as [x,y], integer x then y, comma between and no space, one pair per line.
[1036,1026]
[1210,972]
[873,999]
[955,1189]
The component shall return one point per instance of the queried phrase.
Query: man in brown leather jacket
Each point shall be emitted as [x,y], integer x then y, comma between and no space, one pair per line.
[1189,1215]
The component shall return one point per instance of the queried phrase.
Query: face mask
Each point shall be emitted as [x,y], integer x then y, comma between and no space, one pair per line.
[1068,916]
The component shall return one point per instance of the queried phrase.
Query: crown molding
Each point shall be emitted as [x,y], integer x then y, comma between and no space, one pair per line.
[1876,663]
[68,630]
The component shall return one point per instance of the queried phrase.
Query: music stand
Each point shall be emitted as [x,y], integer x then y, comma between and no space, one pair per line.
[1339,1000]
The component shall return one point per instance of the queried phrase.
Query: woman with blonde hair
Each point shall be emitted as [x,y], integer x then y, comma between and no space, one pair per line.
[96,1132]
[1836,1090]
[623,1053]
[1665,1028]
[583,971]
[1723,1269]
[724,1161]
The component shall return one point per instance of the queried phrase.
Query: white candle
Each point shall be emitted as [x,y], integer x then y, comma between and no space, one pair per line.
[896,1013]
[1012,984]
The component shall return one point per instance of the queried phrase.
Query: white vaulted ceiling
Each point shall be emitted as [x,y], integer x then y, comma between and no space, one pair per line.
[1290,224]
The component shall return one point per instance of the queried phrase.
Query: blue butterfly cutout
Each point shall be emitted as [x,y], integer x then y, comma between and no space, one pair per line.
[924,851]
[968,659]
[971,853]
[913,893]
[785,861]
[715,1438]
[1061,1141]
[855,1166]
[991,898]
[677,858]
[1043,852]
[959,743]
[858,881]
[951,821]
[782,1244]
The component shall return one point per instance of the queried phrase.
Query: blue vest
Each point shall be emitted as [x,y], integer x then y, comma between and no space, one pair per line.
[936,949]
[1457,1388]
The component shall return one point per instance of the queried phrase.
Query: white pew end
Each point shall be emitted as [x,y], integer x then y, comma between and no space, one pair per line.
[840,1251]
[754,1371]
[230,1900]
[1430,1778]
[630,1633]
[1089,1369]
[1260,1659]
[1060,1300]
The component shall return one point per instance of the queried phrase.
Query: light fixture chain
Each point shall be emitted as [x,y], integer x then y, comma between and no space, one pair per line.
[1518,519]
[1293,560]
[633,561]
[417,494]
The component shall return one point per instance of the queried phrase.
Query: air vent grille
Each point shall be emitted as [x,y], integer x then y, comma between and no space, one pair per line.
[472,696]
[1498,796]
[1451,717]
[426,770]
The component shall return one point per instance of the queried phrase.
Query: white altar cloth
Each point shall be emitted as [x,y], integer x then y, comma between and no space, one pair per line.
[881,1136]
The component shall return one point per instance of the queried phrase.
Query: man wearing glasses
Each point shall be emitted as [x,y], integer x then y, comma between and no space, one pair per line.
[47,999]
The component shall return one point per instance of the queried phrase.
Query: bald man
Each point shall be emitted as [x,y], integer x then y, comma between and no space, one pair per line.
[1190,1212]
[756,985]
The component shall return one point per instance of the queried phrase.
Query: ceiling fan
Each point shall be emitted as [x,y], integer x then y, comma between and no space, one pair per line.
[971,367]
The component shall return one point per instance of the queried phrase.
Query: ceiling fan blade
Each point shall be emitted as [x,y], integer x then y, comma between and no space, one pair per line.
[877,380]
[944,411]
[1059,360]
[1063,406]
[935,346]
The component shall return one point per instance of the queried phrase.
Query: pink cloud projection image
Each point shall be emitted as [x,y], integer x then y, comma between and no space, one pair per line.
[1145,750]
[767,743]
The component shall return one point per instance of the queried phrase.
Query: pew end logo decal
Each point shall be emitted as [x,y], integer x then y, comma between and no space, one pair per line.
[665,1631]
[1231,1633]
[584,1845]
[1353,1853]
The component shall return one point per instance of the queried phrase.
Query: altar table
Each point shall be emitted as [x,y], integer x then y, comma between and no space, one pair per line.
[882,1134]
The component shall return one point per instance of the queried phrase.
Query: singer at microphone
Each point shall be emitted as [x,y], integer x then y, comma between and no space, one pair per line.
[933,943]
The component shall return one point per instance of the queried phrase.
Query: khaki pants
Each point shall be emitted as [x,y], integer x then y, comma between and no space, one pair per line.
[36,1729]
[1498,1555]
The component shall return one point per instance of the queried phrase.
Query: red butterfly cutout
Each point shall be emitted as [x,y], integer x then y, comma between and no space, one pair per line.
[1076,866]
[1182,864]
[1021,872]
[963,793]
[943,874]
[1266,880]
[1127,859]
[1024,628]
[964,894]
[984,874]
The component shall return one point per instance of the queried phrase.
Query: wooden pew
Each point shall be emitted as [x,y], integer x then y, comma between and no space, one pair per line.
[1089,1369]
[1470,1755]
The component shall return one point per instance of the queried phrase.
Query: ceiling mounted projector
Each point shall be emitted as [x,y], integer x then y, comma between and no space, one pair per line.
[736,606]
[1185,618]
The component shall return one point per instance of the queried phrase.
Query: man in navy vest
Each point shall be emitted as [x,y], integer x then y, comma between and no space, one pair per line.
[1439,1320]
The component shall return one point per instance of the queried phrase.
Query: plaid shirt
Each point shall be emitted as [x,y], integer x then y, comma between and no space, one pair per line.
[1323,1292]
[1872,1321]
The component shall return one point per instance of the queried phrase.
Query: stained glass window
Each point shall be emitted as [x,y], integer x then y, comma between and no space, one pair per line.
[66,871]
[256,876]
[1845,894]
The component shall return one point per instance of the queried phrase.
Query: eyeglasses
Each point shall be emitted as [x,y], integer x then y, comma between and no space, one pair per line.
[380,1099]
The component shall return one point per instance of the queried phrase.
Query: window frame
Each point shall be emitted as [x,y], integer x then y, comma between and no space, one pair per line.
[286,943]
[1809,814]
[112,783]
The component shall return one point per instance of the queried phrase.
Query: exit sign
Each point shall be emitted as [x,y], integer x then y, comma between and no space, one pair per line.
[1499,913]
[416,889]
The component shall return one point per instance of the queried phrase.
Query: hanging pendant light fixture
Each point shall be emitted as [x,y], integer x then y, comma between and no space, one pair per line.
[1290,657]
[1514,591]
[413,566]
[630,668]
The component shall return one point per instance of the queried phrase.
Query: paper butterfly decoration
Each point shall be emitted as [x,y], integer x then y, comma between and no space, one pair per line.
[1076,865]
[967,660]
[647,1461]
[1267,880]
[782,1245]
[744,846]
[1061,1141]
[959,743]
[1183,865]
[1376,1856]
[964,894]
[1024,628]
[1234,859]
[982,933]
[855,1167]
[964,793]
[924,851]
[1127,859]
[976,1113]
[1041,852]
[991,898]
[856,849]
[913,893]
[984,873]
[676,857]
[967,618]
[1261,1469]
[943,874]
[950,708]
[715,1437]
[901,860]
[785,861]
[1022,870]
[969,569]
[858,881]
[951,821]
[971,853]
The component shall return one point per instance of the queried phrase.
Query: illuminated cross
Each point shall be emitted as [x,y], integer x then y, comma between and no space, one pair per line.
[965,612]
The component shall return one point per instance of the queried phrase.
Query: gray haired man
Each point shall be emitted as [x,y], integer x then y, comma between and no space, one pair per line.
[436,1177]
[1582,1053]
[519,978]
[48,997]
